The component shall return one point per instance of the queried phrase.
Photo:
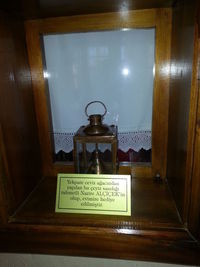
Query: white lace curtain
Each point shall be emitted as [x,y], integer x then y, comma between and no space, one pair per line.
[115,67]
[134,140]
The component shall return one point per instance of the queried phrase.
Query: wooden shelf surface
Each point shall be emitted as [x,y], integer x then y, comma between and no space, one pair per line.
[152,207]
[153,232]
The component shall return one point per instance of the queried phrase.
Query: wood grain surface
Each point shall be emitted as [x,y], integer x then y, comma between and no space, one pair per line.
[18,137]
[152,206]
[182,108]
[155,231]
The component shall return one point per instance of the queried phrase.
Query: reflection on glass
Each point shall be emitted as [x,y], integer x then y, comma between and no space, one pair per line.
[115,67]
[125,71]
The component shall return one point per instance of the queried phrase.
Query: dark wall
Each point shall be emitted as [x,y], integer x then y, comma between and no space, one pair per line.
[19,148]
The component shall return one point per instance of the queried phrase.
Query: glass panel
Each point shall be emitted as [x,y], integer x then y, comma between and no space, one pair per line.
[115,67]
[87,157]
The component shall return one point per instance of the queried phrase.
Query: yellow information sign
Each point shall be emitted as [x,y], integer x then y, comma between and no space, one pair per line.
[94,194]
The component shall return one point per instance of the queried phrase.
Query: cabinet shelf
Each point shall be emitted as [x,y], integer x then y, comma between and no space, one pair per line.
[153,232]
[152,207]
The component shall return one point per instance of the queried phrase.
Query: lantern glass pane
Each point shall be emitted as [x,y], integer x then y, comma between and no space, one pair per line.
[86,154]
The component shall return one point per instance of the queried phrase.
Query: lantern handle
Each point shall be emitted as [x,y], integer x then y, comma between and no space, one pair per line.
[92,102]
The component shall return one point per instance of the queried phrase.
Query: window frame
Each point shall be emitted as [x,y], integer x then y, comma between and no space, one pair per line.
[160,19]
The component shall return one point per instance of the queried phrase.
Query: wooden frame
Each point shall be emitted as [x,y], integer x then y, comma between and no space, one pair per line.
[158,18]
[193,197]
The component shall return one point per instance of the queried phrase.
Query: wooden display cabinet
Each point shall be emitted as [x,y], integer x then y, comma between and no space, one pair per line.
[165,221]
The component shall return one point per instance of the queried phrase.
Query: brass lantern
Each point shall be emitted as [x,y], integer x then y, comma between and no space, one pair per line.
[95,146]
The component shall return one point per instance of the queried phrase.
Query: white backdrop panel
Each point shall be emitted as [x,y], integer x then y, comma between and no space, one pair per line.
[115,67]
